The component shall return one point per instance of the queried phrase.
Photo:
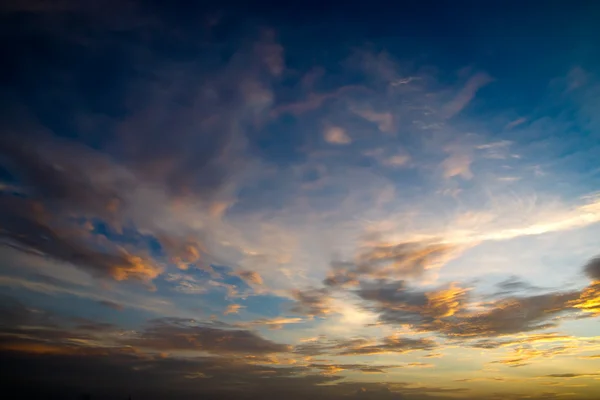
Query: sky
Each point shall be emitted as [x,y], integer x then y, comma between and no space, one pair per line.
[327,201]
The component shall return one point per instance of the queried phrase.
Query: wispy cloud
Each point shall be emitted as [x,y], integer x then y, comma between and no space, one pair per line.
[467,93]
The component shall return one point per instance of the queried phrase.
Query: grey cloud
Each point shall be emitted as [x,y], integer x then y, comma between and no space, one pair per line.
[177,334]
[392,345]
[408,259]
[64,175]
[446,311]
[27,227]
[397,302]
[143,376]
[569,375]
[513,284]
[509,316]
[328,346]
[155,377]
[312,302]
[251,277]
[382,260]
[592,269]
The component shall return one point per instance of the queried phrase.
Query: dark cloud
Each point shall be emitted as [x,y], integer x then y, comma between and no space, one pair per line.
[512,285]
[382,260]
[66,176]
[399,303]
[569,375]
[176,334]
[251,277]
[312,302]
[60,360]
[392,344]
[32,330]
[328,346]
[28,227]
[156,377]
[510,316]
[138,375]
[447,310]
[592,269]
[409,259]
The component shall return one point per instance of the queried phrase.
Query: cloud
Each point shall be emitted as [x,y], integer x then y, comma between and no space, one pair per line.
[383,120]
[515,123]
[336,135]
[380,259]
[72,357]
[312,302]
[420,365]
[176,334]
[112,304]
[397,160]
[251,277]
[314,101]
[592,357]
[28,227]
[272,323]
[362,346]
[570,375]
[521,357]
[449,310]
[154,377]
[328,369]
[467,93]
[271,53]
[458,164]
[398,303]
[520,314]
[172,168]
[522,339]
[592,269]
[168,169]
[514,284]
[391,344]
[232,309]
[589,300]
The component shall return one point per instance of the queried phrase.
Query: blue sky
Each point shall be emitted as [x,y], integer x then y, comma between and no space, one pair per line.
[362,201]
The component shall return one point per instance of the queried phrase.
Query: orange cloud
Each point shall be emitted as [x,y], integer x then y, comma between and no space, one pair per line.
[135,267]
[232,309]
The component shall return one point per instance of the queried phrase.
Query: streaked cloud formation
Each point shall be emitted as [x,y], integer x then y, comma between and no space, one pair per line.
[217,203]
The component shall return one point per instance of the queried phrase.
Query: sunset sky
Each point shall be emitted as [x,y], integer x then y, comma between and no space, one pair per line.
[343,201]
